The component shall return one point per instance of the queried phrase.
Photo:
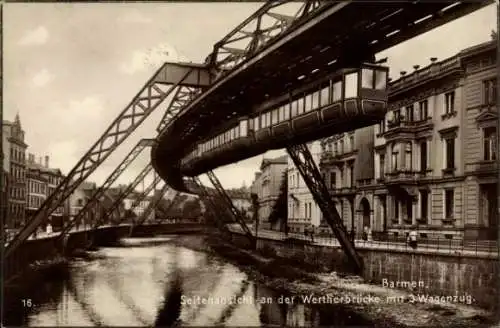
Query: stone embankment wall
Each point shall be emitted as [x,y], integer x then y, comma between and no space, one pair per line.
[433,274]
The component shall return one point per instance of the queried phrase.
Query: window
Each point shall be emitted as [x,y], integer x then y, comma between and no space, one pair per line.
[381,127]
[297,180]
[382,165]
[351,85]
[315,100]
[423,109]
[396,208]
[300,105]
[489,146]
[373,79]
[424,204]
[351,142]
[341,177]
[450,152]
[286,112]
[351,175]
[449,102]
[394,159]
[449,203]
[408,156]
[367,77]
[490,92]
[274,117]
[337,91]
[397,115]
[335,149]
[308,103]
[423,155]
[281,114]
[333,180]
[325,96]
[409,113]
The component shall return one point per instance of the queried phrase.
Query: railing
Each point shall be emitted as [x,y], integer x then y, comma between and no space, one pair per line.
[383,241]
[433,70]
[399,123]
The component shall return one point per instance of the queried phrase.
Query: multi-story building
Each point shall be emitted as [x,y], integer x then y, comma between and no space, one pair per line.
[434,154]
[346,164]
[267,187]
[241,200]
[41,182]
[135,197]
[303,212]
[14,163]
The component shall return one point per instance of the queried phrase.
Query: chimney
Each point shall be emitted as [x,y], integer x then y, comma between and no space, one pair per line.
[433,59]
[47,161]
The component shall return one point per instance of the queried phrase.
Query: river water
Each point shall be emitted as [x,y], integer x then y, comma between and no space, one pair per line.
[149,282]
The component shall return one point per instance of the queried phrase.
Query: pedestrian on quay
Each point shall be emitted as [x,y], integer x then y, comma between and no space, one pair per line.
[412,238]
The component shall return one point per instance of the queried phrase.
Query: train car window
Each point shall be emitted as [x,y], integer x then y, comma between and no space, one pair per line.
[268,114]
[380,79]
[325,96]
[256,123]
[351,85]
[294,108]
[300,105]
[308,102]
[231,133]
[315,100]
[243,128]
[237,131]
[281,114]
[367,77]
[286,110]
[337,91]
[274,116]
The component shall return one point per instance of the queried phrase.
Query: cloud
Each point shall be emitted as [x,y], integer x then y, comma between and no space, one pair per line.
[42,78]
[135,17]
[63,154]
[38,36]
[150,58]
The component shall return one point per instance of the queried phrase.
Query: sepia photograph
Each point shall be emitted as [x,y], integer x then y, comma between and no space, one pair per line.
[274,163]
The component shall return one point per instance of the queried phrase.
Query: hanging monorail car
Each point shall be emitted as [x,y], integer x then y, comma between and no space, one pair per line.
[346,100]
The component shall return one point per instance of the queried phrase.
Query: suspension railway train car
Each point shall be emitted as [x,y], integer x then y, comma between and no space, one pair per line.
[346,100]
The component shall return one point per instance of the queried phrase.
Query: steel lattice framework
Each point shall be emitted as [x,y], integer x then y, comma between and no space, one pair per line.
[151,206]
[229,204]
[270,21]
[182,96]
[303,160]
[142,195]
[121,197]
[170,206]
[166,79]
[214,208]
[131,156]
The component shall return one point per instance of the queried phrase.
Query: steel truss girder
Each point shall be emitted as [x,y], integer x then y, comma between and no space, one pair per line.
[304,162]
[255,32]
[131,156]
[229,203]
[121,197]
[210,204]
[154,92]
[142,195]
[151,206]
[182,96]
[170,206]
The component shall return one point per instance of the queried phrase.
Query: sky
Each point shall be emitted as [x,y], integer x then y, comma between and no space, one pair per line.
[71,68]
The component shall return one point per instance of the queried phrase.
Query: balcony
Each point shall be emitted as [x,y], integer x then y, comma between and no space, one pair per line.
[405,176]
[482,167]
[344,191]
[329,157]
[395,127]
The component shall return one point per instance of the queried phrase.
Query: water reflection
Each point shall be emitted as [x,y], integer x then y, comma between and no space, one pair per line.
[147,282]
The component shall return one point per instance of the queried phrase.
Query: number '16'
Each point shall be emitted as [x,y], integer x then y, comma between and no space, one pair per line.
[26,302]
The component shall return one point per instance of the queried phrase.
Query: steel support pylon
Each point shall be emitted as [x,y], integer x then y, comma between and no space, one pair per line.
[229,205]
[170,206]
[151,206]
[203,192]
[142,195]
[140,177]
[166,79]
[303,160]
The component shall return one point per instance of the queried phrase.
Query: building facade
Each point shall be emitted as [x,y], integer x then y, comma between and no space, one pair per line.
[303,211]
[267,186]
[14,157]
[241,200]
[41,182]
[346,165]
[434,155]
